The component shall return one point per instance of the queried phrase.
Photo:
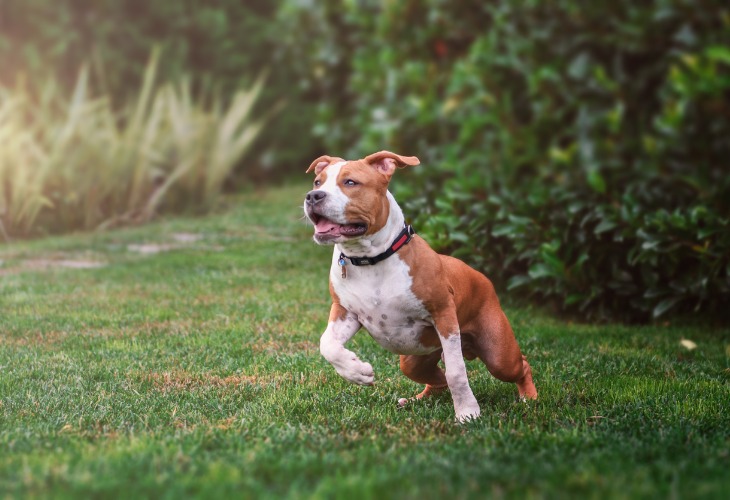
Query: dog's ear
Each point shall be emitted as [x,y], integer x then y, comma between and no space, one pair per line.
[321,163]
[386,162]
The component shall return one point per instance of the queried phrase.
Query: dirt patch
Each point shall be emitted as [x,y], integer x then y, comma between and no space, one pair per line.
[53,261]
[71,264]
[180,241]
[187,237]
[152,248]
[178,328]
[12,264]
[181,380]
[35,339]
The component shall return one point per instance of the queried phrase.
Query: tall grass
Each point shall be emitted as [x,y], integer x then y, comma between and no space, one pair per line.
[76,162]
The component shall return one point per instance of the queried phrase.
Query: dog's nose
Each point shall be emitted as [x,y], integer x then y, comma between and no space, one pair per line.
[315,197]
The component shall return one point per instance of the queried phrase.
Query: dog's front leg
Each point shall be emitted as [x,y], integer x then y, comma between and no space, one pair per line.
[465,404]
[342,326]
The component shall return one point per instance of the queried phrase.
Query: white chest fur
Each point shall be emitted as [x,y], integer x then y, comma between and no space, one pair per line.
[384,303]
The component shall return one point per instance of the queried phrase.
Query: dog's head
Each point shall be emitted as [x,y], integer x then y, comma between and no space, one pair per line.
[349,199]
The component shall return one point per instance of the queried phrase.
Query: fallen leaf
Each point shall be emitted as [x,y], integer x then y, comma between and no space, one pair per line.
[688,344]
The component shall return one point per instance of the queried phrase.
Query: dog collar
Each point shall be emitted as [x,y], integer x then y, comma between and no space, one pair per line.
[400,241]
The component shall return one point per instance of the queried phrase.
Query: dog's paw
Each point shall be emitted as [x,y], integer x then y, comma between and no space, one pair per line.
[467,410]
[466,414]
[357,372]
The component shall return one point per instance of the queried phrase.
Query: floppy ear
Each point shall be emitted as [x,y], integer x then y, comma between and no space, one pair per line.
[386,162]
[320,163]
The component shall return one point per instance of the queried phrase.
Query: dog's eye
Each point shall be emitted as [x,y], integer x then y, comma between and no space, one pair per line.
[350,182]
[317,183]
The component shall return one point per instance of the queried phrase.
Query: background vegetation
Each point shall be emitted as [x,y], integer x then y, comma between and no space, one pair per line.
[577,153]
[79,163]
[222,44]
[580,153]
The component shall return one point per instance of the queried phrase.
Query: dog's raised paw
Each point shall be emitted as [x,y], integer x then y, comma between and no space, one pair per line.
[358,372]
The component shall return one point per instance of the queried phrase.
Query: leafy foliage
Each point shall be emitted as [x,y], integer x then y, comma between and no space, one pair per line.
[76,163]
[225,44]
[578,152]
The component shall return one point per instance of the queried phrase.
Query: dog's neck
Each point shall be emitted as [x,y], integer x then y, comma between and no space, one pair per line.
[378,242]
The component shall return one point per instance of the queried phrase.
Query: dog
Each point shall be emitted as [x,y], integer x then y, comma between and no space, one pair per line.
[414,302]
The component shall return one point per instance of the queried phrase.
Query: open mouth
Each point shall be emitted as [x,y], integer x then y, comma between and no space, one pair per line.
[325,229]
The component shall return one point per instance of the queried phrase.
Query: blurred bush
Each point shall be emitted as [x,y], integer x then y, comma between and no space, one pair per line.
[578,152]
[72,161]
[223,43]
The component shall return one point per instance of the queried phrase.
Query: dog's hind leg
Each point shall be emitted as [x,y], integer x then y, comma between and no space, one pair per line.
[423,369]
[525,385]
[497,347]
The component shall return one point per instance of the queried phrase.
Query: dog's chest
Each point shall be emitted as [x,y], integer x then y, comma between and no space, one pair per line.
[382,298]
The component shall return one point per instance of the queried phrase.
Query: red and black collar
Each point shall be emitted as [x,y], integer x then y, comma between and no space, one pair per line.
[401,240]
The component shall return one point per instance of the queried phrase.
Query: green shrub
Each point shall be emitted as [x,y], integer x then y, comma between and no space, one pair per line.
[75,163]
[576,152]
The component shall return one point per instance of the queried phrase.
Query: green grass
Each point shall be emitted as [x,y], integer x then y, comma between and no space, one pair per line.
[195,371]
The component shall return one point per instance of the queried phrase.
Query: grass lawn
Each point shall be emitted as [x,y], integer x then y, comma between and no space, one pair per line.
[181,359]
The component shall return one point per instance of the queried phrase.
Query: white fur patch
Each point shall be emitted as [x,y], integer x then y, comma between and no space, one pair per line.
[333,207]
[465,404]
[346,363]
[381,298]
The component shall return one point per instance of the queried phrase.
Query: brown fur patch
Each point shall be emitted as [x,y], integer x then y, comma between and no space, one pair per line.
[462,300]
[337,312]
[321,163]
[443,283]
[429,337]
[368,201]
[321,177]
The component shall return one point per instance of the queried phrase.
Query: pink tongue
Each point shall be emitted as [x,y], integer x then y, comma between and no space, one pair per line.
[327,226]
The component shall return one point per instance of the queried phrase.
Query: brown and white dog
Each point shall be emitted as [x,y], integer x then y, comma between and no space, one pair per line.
[414,302]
